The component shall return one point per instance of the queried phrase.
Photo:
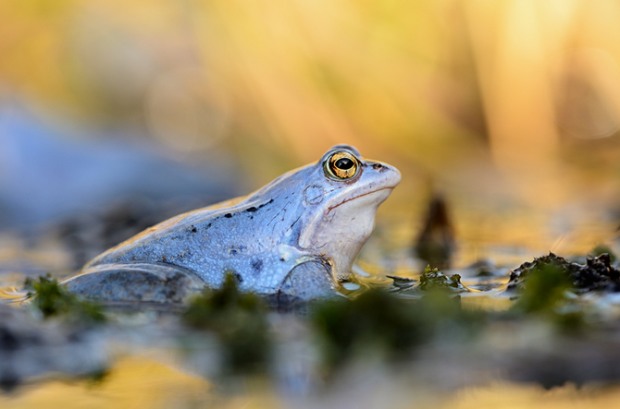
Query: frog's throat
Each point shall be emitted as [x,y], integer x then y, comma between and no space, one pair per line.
[339,232]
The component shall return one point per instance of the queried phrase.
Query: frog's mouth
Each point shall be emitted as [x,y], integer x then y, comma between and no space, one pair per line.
[387,189]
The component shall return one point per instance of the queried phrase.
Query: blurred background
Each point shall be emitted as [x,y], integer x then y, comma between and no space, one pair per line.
[508,109]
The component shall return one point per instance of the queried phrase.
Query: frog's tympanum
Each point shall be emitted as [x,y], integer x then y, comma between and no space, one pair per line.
[295,238]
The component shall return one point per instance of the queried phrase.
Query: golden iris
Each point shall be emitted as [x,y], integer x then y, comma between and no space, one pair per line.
[342,165]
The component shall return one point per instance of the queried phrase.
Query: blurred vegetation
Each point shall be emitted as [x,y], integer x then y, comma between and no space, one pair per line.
[54,300]
[547,296]
[378,323]
[239,321]
[546,289]
[385,325]
[435,243]
[394,326]
[603,249]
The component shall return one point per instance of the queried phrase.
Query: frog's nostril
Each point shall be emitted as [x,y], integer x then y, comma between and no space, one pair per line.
[379,167]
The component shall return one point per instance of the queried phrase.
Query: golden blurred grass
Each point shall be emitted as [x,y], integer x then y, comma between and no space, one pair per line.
[296,72]
[494,101]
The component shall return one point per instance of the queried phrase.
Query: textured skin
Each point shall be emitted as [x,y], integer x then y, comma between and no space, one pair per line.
[144,283]
[302,217]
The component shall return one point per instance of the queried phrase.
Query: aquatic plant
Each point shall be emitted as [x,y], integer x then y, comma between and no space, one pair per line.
[54,300]
[386,324]
[432,278]
[545,289]
[239,322]
[546,294]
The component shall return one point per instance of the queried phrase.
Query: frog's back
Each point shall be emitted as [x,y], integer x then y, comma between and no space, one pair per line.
[244,239]
[254,239]
[166,241]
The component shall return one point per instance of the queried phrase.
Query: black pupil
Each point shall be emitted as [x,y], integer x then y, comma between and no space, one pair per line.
[344,163]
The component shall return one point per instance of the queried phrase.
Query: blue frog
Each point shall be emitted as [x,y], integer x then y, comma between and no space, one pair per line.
[295,238]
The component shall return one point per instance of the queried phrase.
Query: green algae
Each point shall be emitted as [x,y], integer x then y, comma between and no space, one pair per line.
[238,320]
[54,300]
[546,293]
[383,323]
[432,278]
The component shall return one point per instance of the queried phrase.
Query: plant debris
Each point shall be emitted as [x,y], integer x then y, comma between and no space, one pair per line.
[401,283]
[432,279]
[596,275]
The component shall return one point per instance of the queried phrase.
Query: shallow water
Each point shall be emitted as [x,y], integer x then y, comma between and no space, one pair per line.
[151,361]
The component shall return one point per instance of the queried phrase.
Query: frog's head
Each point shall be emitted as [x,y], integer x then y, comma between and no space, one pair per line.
[340,199]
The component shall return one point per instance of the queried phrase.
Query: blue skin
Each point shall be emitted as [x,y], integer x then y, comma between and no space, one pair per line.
[296,236]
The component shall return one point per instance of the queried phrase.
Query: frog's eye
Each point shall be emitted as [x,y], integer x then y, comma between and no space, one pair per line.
[341,165]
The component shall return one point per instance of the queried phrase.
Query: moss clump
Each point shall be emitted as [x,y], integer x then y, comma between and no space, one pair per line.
[432,279]
[374,319]
[383,323]
[545,294]
[239,322]
[544,291]
[52,299]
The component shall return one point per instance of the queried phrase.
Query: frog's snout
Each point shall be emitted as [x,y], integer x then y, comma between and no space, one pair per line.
[390,174]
